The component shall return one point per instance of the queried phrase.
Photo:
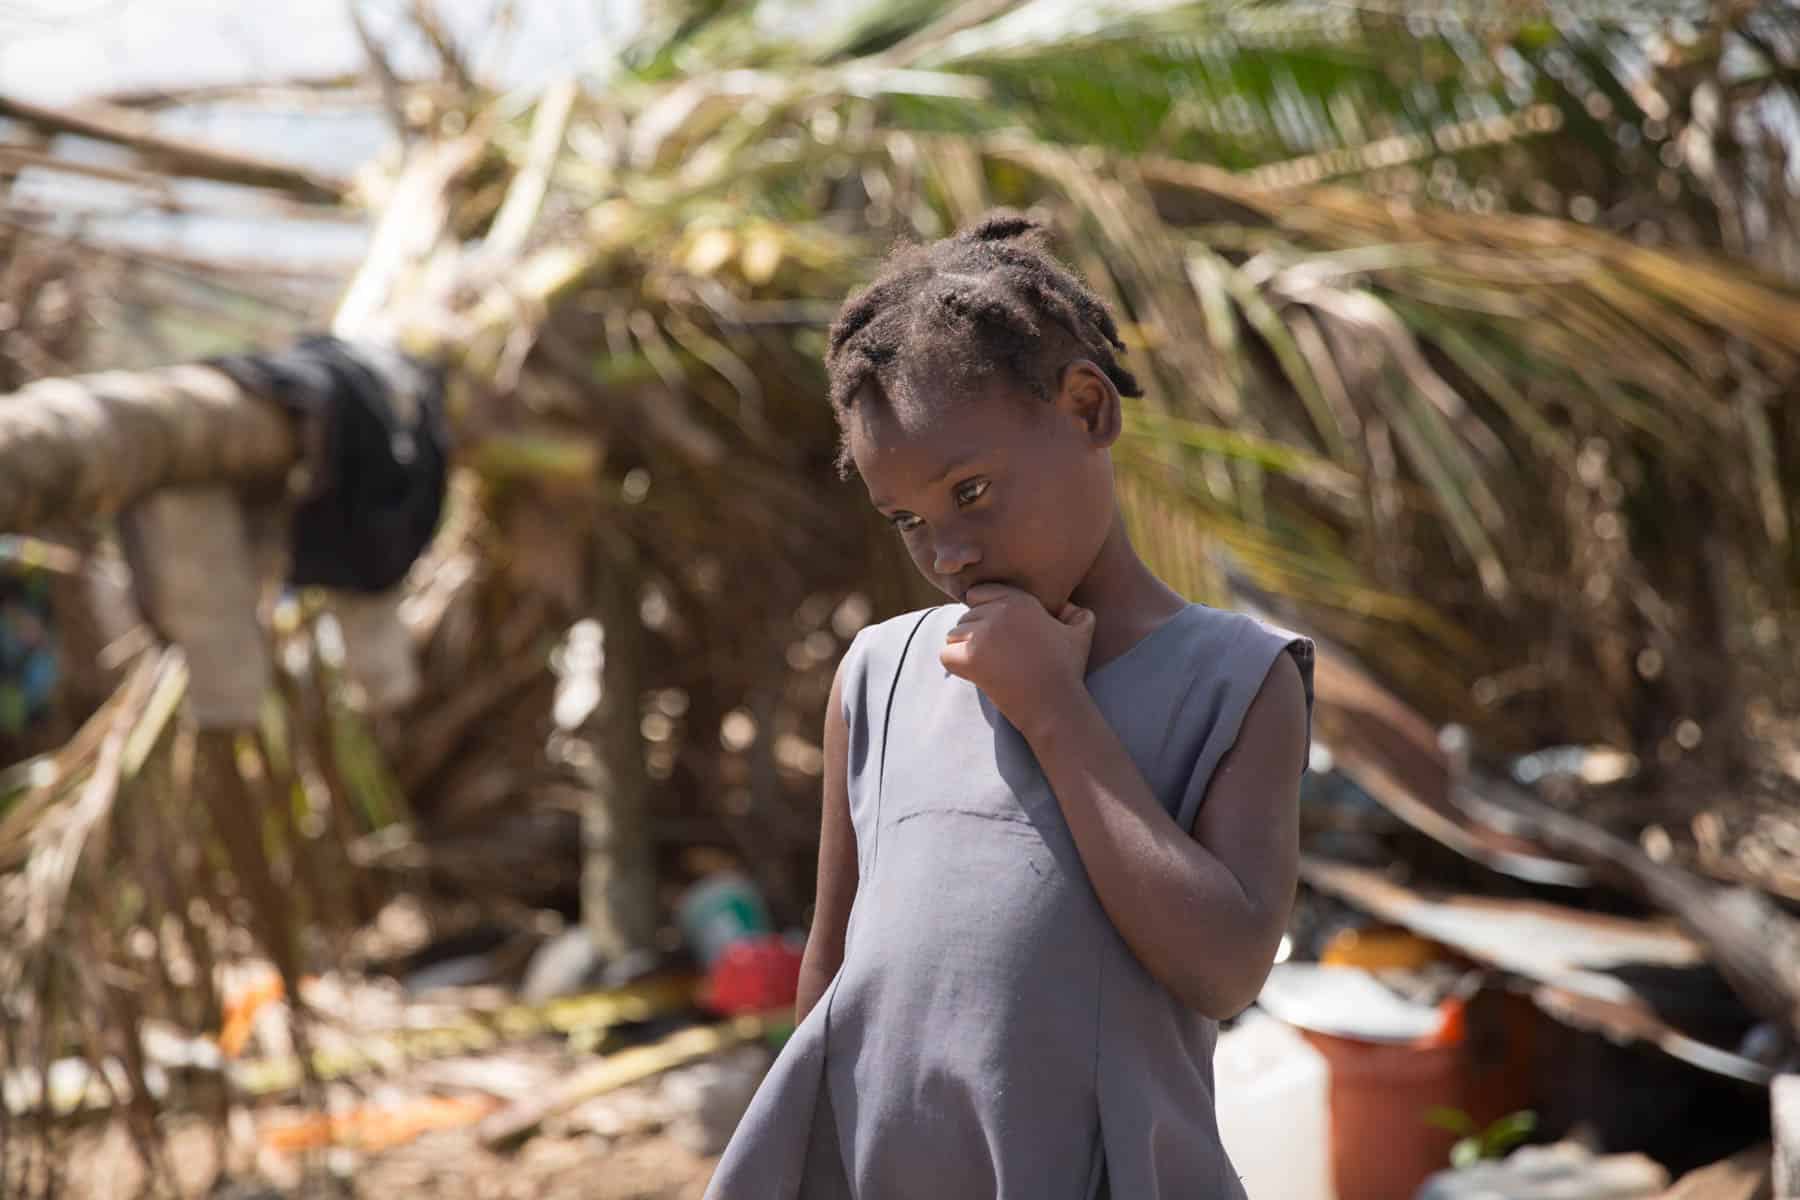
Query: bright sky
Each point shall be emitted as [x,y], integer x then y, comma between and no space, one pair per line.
[59,51]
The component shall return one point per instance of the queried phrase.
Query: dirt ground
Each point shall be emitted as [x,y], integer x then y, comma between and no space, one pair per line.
[646,1165]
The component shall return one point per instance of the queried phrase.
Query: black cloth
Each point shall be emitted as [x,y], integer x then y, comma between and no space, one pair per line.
[379,468]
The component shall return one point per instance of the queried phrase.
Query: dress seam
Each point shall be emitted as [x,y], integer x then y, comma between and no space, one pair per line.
[1019,819]
[887,717]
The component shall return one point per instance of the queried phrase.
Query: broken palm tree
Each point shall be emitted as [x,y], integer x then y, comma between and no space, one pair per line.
[1589,971]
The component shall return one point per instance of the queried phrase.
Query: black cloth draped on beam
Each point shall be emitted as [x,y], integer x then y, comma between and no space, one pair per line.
[372,421]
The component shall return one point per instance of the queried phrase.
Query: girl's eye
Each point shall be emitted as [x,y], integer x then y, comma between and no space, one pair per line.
[969,492]
[905,522]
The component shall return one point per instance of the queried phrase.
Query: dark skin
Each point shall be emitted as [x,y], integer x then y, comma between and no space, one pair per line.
[1006,504]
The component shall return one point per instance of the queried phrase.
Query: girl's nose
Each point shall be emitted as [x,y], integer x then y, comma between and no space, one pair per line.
[955,555]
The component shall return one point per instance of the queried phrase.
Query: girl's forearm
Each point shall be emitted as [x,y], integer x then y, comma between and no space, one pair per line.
[815,976]
[1179,908]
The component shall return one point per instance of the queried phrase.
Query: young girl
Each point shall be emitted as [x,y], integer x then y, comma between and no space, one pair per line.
[1059,839]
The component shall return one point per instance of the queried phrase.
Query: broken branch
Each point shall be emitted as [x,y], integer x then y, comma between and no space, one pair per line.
[179,156]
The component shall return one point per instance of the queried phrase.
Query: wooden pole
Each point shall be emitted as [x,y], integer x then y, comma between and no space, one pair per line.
[618,872]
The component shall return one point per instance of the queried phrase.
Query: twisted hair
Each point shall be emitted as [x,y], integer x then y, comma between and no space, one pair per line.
[989,300]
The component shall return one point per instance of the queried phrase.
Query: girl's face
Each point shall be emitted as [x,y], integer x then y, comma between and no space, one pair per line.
[995,486]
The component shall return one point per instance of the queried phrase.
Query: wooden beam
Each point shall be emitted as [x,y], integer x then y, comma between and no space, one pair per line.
[179,156]
[73,449]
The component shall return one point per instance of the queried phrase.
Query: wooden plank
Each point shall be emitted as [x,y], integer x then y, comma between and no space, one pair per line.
[1567,951]
[1743,1176]
[1784,1113]
[511,1125]
[1754,943]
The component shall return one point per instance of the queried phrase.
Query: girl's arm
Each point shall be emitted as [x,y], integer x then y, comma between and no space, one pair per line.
[1203,910]
[837,863]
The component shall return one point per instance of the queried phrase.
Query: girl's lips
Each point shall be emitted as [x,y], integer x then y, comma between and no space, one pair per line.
[963,590]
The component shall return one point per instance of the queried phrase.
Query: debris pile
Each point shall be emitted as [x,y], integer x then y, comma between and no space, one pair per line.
[1488,953]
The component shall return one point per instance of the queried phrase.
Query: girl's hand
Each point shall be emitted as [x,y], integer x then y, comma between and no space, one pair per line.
[1025,660]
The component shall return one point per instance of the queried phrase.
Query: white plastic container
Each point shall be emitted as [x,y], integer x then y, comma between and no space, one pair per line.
[1274,1110]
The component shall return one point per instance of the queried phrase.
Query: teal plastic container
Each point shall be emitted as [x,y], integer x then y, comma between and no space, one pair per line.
[719,910]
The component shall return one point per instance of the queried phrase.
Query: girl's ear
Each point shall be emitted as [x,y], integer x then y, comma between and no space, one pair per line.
[1087,395]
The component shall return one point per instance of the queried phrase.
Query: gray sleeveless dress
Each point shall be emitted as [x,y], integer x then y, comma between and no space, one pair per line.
[990,1036]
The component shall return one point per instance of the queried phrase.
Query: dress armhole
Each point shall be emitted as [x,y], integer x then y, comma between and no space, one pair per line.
[1249,658]
[852,670]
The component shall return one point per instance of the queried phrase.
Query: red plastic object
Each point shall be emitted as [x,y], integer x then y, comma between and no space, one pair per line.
[753,975]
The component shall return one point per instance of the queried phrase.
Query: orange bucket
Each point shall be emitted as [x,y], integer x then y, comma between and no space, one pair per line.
[1382,1147]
